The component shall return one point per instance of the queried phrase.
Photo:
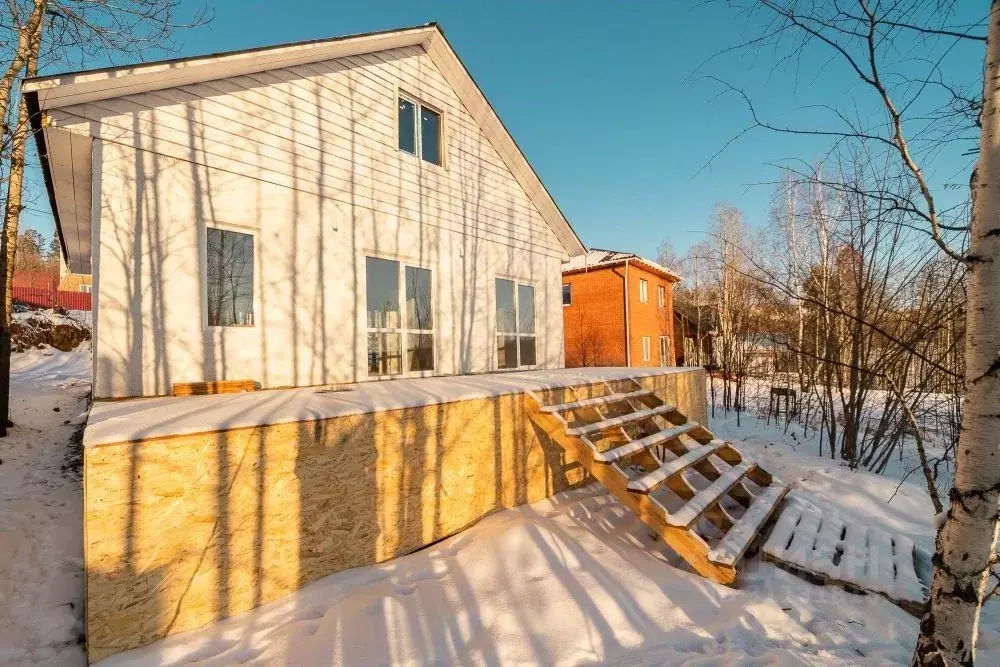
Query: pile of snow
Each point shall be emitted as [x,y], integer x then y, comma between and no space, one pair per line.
[38,329]
[577,579]
[41,510]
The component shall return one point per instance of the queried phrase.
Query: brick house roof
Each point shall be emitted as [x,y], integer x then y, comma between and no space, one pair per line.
[599,258]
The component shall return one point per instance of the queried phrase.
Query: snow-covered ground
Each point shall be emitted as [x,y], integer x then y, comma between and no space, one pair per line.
[576,579]
[41,507]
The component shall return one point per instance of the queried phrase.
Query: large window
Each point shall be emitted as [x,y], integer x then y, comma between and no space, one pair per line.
[400,340]
[229,279]
[419,130]
[515,305]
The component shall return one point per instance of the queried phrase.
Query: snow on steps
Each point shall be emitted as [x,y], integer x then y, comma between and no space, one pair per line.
[652,479]
[721,466]
[607,399]
[694,508]
[622,420]
[825,544]
[636,446]
[738,538]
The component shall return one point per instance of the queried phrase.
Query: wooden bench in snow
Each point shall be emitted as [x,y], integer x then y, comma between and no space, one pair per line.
[846,552]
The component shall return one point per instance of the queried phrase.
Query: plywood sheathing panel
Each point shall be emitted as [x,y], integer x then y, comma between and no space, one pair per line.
[183,531]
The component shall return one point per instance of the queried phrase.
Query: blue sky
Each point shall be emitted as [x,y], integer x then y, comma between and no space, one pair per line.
[609,101]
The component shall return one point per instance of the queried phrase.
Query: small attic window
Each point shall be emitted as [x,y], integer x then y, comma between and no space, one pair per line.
[419,130]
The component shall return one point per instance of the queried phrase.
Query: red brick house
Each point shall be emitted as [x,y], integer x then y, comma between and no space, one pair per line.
[618,310]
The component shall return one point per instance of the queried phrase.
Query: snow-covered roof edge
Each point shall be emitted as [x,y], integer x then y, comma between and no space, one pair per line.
[600,258]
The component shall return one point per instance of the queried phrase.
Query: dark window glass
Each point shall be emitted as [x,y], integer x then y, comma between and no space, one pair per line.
[419,352]
[430,135]
[383,293]
[506,315]
[527,350]
[230,279]
[418,299]
[525,309]
[384,357]
[567,295]
[407,126]
[506,351]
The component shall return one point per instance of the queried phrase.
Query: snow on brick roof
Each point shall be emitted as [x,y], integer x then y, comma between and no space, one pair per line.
[597,257]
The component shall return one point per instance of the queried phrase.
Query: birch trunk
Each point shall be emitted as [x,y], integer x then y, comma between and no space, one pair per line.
[25,38]
[967,542]
[29,42]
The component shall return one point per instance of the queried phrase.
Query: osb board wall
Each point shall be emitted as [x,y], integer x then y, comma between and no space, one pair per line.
[183,531]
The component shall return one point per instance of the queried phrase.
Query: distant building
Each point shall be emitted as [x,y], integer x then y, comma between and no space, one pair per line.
[618,310]
[73,282]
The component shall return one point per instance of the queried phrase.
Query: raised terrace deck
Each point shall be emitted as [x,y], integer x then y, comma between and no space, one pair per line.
[201,507]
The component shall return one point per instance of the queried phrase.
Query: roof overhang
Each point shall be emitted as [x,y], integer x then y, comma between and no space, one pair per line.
[60,90]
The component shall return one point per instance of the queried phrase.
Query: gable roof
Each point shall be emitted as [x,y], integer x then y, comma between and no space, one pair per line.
[60,90]
[597,258]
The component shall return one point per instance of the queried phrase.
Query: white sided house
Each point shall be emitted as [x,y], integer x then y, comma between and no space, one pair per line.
[331,211]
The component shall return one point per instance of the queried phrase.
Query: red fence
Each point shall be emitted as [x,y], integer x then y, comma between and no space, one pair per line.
[41,297]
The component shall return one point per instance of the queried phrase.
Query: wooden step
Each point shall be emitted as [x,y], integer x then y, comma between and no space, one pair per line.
[612,422]
[654,478]
[739,537]
[618,453]
[687,515]
[595,401]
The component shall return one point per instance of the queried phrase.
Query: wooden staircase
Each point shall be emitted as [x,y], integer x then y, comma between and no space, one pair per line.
[699,494]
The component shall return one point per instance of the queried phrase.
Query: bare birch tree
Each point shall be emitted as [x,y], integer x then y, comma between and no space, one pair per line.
[861,36]
[62,32]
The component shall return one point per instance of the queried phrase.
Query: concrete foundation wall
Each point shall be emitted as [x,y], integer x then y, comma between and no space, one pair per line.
[186,530]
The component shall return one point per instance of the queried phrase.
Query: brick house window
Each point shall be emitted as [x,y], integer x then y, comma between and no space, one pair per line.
[664,350]
[645,348]
[643,291]
[661,295]
[567,295]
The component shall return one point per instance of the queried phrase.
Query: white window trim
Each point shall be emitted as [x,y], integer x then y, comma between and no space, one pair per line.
[643,291]
[664,358]
[203,251]
[496,331]
[570,286]
[403,330]
[661,295]
[646,345]
[418,144]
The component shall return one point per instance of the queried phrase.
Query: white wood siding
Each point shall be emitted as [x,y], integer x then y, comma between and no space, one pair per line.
[305,158]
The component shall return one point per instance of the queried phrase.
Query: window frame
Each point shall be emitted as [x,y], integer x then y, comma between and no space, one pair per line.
[664,351]
[224,227]
[566,303]
[404,331]
[643,290]
[517,319]
[661,296]
[647,345]
[419,104]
